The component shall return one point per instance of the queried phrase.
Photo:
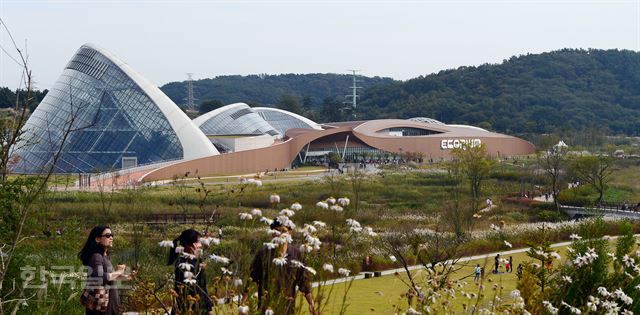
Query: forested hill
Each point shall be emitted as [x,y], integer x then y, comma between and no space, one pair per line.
[267,89]
[535,93]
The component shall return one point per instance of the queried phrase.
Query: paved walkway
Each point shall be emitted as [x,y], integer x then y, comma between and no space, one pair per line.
[463,259]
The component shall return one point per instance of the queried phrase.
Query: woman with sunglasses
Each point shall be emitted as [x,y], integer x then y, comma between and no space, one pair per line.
[95,255]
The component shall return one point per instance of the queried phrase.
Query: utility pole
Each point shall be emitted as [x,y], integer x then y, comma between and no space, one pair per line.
[354,94]
[190,99]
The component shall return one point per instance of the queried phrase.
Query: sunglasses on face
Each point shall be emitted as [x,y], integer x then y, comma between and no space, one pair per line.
[108,235]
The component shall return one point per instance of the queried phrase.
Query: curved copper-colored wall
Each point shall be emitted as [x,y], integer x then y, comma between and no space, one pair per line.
[281,155]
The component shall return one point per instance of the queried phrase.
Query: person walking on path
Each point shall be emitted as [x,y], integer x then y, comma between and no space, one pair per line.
[496,263]
[510,263]
[100,274]
[478,272]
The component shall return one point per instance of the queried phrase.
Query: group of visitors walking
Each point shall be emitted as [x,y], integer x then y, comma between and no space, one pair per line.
[100,295]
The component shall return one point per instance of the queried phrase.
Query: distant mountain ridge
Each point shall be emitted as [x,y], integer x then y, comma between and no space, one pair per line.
[267,89]
[569,89]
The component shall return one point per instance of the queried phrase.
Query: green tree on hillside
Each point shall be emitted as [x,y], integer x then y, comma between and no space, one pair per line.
[290,103]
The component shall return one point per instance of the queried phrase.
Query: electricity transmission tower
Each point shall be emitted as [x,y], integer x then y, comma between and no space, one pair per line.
[354,95]
[191,104]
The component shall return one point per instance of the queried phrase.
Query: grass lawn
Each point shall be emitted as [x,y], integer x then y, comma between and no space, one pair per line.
[381,295]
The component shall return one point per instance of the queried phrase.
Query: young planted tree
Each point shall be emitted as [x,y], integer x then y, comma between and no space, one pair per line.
[473,164]
[554,162]
[595,171]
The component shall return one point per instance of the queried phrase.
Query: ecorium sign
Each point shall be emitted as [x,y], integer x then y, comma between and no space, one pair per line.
[458,143]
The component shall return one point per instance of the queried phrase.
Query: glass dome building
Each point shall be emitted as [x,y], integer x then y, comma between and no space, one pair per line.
[103,116]
[283,120]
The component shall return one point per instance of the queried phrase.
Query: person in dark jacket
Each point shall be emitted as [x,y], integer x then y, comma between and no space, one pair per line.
[95,255]
[281,281]
[190,275]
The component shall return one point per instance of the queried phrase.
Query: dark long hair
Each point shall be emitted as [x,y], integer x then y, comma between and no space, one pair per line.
[186,238]
[91,246]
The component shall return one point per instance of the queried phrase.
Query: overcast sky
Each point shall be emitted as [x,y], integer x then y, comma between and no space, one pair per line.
[163,40]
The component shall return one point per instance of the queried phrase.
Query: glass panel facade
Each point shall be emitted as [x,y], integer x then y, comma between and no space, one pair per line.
[109,115]
[237,120]
[409,131]
[281,121]
[426,120]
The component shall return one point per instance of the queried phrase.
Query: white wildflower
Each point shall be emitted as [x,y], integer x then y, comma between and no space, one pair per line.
[515,294]
[567,279]
[572,309]
[287,212]
[185,266]
[226,271]
[296,264]
[353,223]
[344,201]
[268,312]
[243,310]
[309,228]
[327,267]
[411,311]
[319,224]
[166,244]
[256,212]
[508,244]
[274,198]
[310,270]
[208,241]
[336,208]
[179,249]
[393,258]
[306,248]
[219,259]
[237,282]
[344,272]
[331,200]
[369,231]
[575,236]
[494,227]
[555,255]
[245,216]
[266,220]
[623,297]
[280,261]
[603,291]
[550,308]
[188,256]
[188,275]
[190,281]
[296,206]
[322,204]
[270,245]
[282,239]
[273,232]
